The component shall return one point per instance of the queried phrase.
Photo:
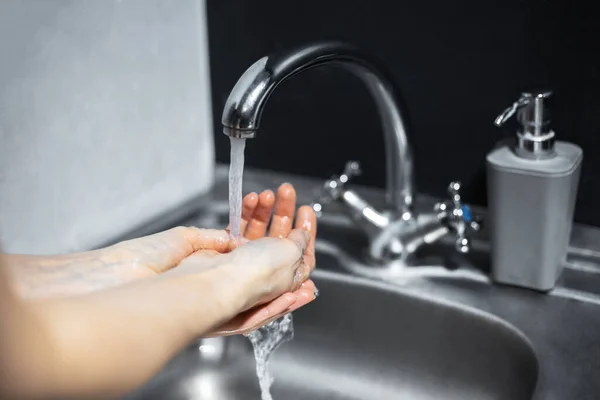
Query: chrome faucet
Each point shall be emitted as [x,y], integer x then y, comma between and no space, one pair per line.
[245,104]
[244,107]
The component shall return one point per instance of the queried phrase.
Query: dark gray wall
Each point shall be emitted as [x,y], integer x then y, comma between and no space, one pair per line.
[457,63]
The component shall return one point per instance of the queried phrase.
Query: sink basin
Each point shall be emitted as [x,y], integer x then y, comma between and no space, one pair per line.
[363,340]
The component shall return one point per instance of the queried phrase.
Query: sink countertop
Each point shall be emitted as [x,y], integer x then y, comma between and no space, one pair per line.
[563,326]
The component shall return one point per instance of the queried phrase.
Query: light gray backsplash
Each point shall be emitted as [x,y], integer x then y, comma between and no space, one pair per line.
[105,118]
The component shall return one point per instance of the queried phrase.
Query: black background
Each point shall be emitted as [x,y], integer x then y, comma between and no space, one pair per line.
[458,64]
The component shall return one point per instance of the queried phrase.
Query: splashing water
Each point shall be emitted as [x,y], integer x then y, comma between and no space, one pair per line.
[236,174]
[265,341]
[268,338]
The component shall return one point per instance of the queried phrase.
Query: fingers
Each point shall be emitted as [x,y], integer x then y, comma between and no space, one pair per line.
[249,204]
[208,239]
[283,218]
[303,296]
[309,285]
[262,315]
[256,317]
[269,311]
[163,251]
[257,224]
[307,219]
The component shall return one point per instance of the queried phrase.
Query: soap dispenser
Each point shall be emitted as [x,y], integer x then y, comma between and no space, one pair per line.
[532,186]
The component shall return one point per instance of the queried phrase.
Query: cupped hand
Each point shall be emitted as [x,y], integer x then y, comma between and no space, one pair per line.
[132,260]
[272,216]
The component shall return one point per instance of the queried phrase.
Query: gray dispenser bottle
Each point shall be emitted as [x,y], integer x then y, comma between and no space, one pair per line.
[532,187]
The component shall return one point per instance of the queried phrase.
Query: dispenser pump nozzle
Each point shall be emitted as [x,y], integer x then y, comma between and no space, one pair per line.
[535,137]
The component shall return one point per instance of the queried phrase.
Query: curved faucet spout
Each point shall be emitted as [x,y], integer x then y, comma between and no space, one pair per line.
[244,107]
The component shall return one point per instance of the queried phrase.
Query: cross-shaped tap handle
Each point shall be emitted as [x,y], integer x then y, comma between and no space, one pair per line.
[458,217]
[332,188]
[351,170]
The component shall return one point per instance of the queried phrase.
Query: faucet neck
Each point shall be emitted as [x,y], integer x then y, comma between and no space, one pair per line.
[244,107]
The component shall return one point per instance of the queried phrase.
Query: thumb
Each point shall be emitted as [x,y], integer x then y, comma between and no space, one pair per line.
[165,250]
[301,238]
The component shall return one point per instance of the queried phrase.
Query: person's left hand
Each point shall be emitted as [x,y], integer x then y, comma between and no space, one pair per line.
[128,261]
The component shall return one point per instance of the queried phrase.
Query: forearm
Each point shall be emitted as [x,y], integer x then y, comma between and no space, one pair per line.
[18,266]
[41,262]
[111,342]
[26,351]
[33,276]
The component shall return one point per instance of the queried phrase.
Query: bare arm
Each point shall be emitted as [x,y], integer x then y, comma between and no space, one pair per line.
[106,343]
[112,341]
[43,276]
[25,346]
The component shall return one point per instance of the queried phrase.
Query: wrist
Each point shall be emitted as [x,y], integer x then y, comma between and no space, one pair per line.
[233,287]
[153,319]
[208,298]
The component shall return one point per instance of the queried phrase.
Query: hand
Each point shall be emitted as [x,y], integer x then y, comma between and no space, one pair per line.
[256,216]
[256,213]
[81,273]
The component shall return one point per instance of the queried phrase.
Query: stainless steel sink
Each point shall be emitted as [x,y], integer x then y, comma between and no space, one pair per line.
[437,330]
[364,340]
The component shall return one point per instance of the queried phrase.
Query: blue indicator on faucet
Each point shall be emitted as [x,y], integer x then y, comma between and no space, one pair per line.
[466,211]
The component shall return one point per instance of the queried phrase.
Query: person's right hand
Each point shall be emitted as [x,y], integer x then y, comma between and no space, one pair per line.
[272,215]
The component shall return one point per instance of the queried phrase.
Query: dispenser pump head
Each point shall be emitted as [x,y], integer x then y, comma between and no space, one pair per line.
[535,138]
